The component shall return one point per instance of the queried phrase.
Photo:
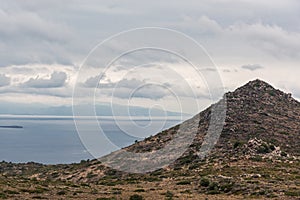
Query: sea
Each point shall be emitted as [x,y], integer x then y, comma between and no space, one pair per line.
[55,139]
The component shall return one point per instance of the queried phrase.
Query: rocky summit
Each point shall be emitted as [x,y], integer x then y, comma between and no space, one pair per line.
[255,111]
[256,156]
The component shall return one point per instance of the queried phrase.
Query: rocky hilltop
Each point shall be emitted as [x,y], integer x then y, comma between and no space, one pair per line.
[256,156]
[255,111]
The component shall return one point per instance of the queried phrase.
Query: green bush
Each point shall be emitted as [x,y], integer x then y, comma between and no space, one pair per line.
[139,190]
[61,192]
[263,149]
[283,154]
[11,192]
[204,182]
[136,197]
[2,195]
[185,182]
[292,193]
[213,186]
[237,144]
[169,195]
[272,147]
[256,158]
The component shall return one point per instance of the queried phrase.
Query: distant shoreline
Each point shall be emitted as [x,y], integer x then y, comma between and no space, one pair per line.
[70,117]
[11,126]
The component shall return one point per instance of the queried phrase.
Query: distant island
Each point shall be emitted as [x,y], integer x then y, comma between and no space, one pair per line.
[11,126]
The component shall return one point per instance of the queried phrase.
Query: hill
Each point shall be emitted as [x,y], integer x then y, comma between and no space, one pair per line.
[256,156]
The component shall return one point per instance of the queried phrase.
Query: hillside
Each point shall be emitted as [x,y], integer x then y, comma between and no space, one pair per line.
[255,110]
[256,156]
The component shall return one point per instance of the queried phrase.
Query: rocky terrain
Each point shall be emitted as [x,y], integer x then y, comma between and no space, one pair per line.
[257,156]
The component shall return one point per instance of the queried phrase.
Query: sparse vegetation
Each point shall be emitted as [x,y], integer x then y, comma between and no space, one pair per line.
[169,195]
[204,182]
[251,160]
[136,197]
[263,149]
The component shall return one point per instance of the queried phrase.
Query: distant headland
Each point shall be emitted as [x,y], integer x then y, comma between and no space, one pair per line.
[11,126]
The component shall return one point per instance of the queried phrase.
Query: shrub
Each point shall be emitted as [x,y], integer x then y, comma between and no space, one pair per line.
[136,197]
[272,147]
[169,195]
[257,158]
[37,197]
[283,154]
[2,195]
[237,144]
[139,190]
[11,192]
[61,192]
[204,182]
[185,182]
[213,186]
[263,149]
[227,187]
[292,193]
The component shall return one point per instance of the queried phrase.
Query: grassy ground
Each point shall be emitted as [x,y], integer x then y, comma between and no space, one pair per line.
[211,179]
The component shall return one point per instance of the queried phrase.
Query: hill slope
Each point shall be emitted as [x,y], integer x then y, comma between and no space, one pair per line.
[255,110]
[256,156]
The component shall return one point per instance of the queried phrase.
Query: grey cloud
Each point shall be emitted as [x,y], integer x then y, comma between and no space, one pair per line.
[147,91]
[51,33]
[33,38]
[252,67]
[4,80]
[130,83]
[210,69]
[137,88]
[273,39]
[226,70]
[124,83]
[96,81]
[92,82]
[57,79]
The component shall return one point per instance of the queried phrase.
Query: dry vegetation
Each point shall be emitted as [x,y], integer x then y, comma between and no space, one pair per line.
[257,157]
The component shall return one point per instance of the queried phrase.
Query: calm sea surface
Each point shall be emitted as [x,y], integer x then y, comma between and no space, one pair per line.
[51,140]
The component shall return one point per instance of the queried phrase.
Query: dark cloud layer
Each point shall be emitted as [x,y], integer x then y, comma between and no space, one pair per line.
[56,32]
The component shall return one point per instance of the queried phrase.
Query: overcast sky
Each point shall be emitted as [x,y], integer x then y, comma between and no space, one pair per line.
[43,44]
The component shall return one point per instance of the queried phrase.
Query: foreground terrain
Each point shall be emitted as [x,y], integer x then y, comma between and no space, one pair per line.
[256,157]
[254,178]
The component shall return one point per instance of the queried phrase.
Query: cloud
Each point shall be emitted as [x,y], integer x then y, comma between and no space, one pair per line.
[133,88]
[130,83]
[56,80]
[4,80]
[129,88]
[146,91]
[203,24]
[92,82]
[233,32]
[51,33]
[272,39]
[33,37]
[252,67]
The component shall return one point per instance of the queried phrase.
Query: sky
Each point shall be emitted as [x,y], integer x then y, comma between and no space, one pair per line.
[44,45]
